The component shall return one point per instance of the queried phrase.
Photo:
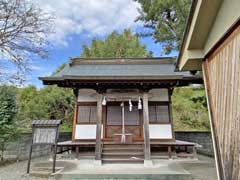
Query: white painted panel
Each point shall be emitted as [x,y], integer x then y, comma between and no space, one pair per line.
[87,95]
[160,131]
[158,94]
[86,131]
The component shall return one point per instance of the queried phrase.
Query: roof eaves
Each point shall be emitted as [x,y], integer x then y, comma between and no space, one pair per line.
[50,78]
[186,32]
[121,77]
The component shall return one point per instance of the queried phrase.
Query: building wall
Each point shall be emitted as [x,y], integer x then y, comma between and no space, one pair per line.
[87,95]
[222,81]
[88,131]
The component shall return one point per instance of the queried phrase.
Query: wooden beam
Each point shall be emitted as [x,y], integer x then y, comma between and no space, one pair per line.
[147,150]
[99,129]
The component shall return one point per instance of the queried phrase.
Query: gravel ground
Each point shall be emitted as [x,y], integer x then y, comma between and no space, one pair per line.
[204,170]
[17,171]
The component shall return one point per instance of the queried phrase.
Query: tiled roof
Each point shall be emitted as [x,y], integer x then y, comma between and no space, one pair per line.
[110,68]
[46,122]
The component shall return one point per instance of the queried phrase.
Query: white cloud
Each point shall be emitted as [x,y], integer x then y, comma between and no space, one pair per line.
[96,17]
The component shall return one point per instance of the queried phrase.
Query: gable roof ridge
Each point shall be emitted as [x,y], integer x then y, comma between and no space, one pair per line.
[128,61]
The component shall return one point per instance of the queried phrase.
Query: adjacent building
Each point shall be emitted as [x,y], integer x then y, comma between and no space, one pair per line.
[211,44]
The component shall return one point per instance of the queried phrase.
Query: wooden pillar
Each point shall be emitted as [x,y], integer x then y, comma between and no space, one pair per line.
[147,148]
[77,152]
[169,152]
[194,152]
[30,153]
[98,129]
[55,150]
[29,159]
[75,91]
[170,91]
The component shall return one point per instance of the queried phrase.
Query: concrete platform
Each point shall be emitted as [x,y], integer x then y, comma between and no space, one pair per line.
[87,169]
[175,169]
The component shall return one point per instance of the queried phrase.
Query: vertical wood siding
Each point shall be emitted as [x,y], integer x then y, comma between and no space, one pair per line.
[222,81]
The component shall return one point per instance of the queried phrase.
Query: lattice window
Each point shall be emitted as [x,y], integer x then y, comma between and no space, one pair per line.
[159,114]
[114,115]
[131,117]
[87,114]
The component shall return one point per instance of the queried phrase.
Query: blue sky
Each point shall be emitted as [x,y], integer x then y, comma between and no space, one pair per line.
[77,22]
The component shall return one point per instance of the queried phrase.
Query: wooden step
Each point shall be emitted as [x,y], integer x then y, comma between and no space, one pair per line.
[123,146]
[122,149]
[127,160]
[122,155]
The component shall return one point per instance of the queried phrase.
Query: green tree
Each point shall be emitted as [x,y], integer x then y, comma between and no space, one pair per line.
[190,109]
[8,111]
[26,105]
[50,102]
[166,19]
[117,45]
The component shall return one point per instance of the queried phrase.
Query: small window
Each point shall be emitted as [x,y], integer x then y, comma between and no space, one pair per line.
[87,114]
[159,114]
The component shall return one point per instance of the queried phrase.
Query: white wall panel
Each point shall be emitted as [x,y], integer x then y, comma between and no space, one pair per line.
[86,131]
[87,95]
[160,131]
[158,95]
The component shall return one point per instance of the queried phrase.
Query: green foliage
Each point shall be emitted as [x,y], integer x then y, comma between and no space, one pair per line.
[166,19]
[8,111]
[51,102]
[116,45]
[7,106]
[190,109]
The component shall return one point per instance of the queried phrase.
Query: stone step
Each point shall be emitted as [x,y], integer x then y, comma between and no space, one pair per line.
[40,174]
[43,171]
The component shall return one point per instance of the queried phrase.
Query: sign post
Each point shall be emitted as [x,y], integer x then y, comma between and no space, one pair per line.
[44,132]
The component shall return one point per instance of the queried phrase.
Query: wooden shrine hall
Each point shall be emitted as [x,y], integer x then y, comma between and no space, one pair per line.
[123,105]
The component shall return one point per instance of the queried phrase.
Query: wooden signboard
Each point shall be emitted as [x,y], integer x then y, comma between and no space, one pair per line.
[44,132]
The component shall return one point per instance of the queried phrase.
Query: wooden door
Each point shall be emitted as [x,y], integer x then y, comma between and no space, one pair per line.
[113,121]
